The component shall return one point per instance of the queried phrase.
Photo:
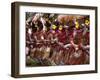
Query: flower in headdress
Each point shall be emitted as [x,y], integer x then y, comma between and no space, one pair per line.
[54,27]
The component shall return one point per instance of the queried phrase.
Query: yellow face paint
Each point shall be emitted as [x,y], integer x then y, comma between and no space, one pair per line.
[76,25]
[54,26]
[87,22]
[60,28]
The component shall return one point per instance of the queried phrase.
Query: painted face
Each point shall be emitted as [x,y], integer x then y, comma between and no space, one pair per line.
[76,25]
[54,27]
[60,28]
[87,22]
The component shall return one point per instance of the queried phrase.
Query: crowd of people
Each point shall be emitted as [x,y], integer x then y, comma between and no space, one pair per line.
[56,39]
